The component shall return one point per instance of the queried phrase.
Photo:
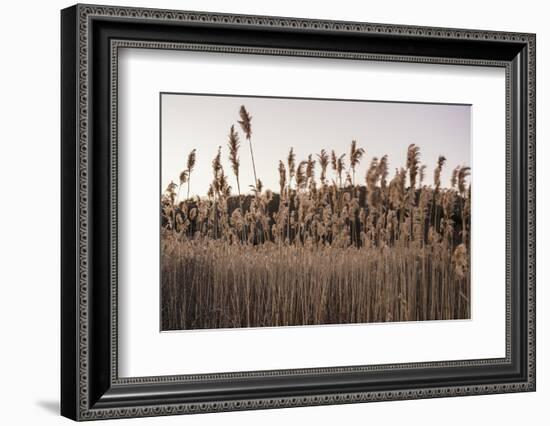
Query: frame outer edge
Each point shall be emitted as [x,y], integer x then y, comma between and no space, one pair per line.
[83,61]
[532,211]
[69,221]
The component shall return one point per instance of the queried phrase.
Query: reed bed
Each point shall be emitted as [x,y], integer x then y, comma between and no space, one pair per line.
[320,250]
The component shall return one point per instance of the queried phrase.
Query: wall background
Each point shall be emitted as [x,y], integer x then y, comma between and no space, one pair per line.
[29,211]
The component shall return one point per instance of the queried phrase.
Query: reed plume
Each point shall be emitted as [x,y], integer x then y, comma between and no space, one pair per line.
[413,161]
[338,165]
[373,174]
[460,260]
[291,162]
[463,173]
[191,160]
[323,161]
[171,191]
[234,145]
[355,156]
[217,162]
[184,176]
[437,172]
[301,178]
[310,171]
[383,171]
[245,123]
[257,189]
[454,177]
[217,169]
[282,178]
[397,189]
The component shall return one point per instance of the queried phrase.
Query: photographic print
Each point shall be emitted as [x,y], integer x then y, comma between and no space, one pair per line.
[301,212]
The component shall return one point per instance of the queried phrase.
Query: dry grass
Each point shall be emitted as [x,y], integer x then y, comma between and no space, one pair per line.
[269,285]
[319,251]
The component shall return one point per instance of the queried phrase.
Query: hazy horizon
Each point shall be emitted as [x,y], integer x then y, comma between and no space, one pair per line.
[202,122]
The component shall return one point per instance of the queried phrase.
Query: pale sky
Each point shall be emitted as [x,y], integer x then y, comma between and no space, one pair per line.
[203,121]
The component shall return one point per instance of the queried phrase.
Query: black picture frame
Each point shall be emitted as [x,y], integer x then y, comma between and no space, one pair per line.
[90,386]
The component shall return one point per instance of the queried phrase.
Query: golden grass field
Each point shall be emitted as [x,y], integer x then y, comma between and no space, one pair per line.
[321,250]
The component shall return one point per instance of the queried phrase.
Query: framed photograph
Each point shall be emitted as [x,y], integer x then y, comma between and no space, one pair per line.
[263,212]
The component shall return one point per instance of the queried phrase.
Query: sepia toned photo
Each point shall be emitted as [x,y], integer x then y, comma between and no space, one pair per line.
[300,212]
